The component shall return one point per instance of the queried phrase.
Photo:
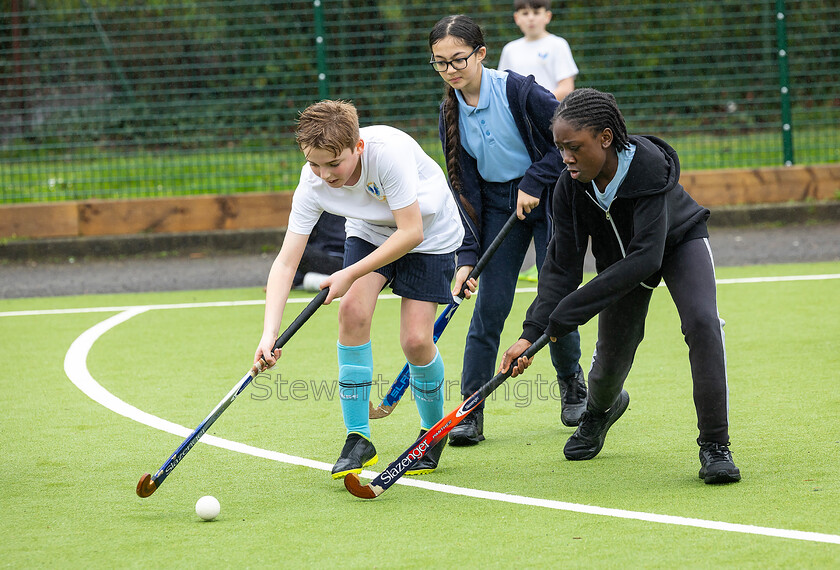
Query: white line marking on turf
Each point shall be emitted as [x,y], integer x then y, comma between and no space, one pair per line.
[388,296]
[35,313]
[741,280]
[619,513]
[75,366]
[146,307]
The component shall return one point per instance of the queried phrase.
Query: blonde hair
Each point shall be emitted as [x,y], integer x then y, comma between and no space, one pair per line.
[328,125]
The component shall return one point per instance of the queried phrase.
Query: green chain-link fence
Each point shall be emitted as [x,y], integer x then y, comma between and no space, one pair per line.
[102,98]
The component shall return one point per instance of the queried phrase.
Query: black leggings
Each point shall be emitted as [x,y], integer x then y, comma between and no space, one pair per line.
[690,276]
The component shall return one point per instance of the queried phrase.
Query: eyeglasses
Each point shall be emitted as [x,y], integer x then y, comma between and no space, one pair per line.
[458,63]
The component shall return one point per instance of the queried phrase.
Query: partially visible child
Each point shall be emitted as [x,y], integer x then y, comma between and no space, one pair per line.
[549,59]
[403,228]
[623,193]
[324,253]
[539,53]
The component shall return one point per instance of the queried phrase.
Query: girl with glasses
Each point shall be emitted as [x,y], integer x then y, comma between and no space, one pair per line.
[495,128]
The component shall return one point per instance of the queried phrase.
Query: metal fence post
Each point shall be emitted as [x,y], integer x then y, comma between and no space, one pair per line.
[109,49]
[784,83]
[321,50]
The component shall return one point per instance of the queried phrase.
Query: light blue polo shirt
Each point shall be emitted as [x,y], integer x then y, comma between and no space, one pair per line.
[488,132]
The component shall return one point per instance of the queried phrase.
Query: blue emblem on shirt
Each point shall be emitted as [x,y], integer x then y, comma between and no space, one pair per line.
[543,55]
[374,191]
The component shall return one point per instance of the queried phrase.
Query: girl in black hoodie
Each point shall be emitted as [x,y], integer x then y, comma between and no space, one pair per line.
[623,193]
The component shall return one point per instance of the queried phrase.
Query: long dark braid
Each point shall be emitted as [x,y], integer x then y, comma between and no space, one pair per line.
[453,137]
[467,31]
[593,109]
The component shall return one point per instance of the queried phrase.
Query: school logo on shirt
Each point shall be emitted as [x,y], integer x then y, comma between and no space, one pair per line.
[374,191]
[542,55]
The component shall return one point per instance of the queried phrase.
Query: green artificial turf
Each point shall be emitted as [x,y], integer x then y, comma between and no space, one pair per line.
[70,465]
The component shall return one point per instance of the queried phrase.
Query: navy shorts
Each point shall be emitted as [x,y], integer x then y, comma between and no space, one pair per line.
[419,276]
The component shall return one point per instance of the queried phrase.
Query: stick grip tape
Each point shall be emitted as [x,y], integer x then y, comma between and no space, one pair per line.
[304,315]
[491,249]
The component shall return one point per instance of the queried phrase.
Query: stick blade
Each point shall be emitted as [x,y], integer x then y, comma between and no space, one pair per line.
[145,487]
[380,411]
[352,484]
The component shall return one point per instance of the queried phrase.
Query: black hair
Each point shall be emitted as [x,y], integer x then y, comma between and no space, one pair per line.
[592,109]
[533,4]
[466,30]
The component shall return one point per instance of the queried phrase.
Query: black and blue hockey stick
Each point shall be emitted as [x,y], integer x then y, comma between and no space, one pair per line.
[149,483]
[398,388]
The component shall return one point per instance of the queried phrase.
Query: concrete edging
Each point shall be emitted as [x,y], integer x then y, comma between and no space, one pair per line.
[786,213]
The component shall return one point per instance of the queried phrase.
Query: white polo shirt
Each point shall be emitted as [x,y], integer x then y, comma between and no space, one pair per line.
[396,172]
[548,59]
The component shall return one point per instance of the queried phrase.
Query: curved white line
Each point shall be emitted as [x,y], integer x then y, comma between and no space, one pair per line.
[75,366]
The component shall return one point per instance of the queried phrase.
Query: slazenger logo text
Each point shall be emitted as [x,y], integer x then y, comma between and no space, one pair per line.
[413,455]
[395,470]
[186,450]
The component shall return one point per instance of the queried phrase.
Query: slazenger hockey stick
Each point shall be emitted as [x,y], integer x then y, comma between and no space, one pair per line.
[392,398]
[435,434]
[148,483]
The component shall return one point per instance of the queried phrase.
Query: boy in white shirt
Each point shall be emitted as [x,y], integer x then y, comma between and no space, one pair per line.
[549,59]
[545,56]
[403,228]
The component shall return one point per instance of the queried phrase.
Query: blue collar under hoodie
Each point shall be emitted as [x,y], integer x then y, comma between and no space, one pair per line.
[650,215]
[605,198]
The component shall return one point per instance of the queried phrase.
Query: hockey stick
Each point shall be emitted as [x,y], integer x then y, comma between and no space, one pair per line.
[148,483]
[435,434]
[397,389]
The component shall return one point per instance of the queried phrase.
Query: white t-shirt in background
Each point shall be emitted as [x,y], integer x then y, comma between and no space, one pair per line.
[396,172]
[548,59]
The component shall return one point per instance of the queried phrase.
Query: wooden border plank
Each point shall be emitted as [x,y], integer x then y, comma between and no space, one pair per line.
[712,188]
[733,187]
[188,214]
[58,219]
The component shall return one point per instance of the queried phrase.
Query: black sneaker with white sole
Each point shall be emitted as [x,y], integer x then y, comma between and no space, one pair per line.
[589,437]
[572,398]
[358,452]
[716,465]
[428,462]
[470,431]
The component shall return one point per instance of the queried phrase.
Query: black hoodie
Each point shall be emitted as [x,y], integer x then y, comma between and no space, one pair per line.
[650,215]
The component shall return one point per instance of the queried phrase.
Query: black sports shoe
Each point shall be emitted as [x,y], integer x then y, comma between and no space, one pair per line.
[588,438]
[358,452]
[470,431]
[428,462]
[572,398]
[716,464]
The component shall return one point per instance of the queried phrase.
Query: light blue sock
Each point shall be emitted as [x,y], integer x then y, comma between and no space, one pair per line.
[355,375]
[427,387]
